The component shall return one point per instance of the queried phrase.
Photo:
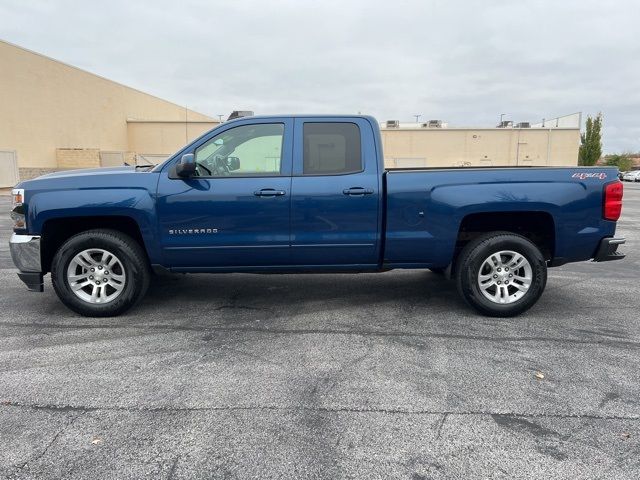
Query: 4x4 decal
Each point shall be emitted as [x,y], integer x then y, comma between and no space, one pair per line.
[585,175]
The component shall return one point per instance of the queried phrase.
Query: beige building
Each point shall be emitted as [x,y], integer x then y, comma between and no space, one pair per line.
[55,116]
[414,145]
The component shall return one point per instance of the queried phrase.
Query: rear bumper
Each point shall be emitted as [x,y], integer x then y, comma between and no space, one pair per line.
[608,250]
[25,252]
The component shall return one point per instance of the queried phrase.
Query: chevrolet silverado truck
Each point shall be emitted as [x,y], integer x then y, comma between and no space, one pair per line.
[308,194]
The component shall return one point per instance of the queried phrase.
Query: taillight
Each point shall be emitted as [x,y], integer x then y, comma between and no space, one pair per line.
[612,201]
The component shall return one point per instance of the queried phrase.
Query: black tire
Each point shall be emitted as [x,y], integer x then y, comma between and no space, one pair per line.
[470,262]
[131,256]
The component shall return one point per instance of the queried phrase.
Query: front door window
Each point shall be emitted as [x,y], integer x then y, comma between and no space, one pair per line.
[248,150]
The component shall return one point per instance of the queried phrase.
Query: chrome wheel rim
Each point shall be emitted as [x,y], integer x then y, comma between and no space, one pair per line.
[505,277]
[96,276]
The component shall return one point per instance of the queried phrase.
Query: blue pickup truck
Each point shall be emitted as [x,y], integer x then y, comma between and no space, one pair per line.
[308,194]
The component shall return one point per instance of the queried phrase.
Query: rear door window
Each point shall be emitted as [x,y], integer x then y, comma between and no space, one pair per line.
[331,148]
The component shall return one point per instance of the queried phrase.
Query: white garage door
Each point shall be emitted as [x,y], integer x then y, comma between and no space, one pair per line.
[8,168]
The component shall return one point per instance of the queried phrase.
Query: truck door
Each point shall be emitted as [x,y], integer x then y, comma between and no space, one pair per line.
[335,194]
[236,211]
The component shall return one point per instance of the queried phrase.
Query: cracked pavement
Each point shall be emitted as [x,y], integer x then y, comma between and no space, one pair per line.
[326,376]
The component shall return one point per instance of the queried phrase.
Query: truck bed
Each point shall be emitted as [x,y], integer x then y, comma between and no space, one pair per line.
[427,207]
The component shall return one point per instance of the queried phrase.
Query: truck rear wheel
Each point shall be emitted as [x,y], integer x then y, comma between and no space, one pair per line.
[100,273]
[501,274]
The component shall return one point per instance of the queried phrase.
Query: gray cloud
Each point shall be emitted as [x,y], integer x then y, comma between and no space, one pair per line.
[465,62]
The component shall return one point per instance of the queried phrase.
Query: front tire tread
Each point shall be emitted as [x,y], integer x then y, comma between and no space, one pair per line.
[133,257]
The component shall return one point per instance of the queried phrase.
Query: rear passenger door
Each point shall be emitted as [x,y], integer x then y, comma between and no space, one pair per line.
[335,194]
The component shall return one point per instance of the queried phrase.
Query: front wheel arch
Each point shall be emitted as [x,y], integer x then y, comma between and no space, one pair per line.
[56,231]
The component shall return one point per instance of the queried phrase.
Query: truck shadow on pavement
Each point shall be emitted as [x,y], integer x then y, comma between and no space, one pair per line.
[253,295]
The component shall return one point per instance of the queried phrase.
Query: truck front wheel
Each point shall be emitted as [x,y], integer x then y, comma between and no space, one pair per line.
[501,274]
[100,273]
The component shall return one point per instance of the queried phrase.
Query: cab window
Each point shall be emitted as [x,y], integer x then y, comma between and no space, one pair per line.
[248,150]
[331,148]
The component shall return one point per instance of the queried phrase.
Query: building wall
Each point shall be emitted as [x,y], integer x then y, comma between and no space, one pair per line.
[47,105]
[443,147]
[77,157]
[163,138]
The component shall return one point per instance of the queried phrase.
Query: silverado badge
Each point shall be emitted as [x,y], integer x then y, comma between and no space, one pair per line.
[192,231]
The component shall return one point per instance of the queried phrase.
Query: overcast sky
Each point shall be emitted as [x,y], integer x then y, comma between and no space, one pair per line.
[462,61]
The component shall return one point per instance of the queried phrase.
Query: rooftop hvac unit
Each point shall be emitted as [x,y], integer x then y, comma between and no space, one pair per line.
[505,124]
[239,114]
[393,123]
[434,124]
[523,125]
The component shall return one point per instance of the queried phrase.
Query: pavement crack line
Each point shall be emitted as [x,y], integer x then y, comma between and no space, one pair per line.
[441,424]
[172,470]
[64,428]
[302,331]
[303,408]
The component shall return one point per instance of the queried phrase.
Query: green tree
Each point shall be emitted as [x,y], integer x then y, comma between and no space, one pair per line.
[591,141]
[623,162]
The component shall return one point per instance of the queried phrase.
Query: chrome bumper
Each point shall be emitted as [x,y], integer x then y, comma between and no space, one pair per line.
[25,252]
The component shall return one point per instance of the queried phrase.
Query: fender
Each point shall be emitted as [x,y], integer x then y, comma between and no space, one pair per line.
[134,201]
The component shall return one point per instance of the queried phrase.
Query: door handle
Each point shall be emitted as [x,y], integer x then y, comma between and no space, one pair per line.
[269,192]
[356,191]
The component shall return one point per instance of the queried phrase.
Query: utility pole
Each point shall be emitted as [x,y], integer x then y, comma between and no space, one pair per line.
[417,117]
[501,116]
[220,117]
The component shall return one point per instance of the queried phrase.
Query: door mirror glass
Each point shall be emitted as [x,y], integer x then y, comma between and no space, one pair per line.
[186,167]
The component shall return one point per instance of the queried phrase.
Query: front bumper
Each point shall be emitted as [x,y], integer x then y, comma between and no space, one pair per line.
[608,250]
[25,252]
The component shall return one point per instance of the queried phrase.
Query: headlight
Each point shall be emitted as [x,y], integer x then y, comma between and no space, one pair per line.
[17,208]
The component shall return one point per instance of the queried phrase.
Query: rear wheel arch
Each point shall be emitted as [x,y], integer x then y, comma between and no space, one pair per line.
[537,226]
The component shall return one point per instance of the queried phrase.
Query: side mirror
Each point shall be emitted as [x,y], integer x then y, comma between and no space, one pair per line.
[233,163]
[186,167]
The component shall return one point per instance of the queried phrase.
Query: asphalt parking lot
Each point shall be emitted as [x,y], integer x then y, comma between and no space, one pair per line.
[326,376]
